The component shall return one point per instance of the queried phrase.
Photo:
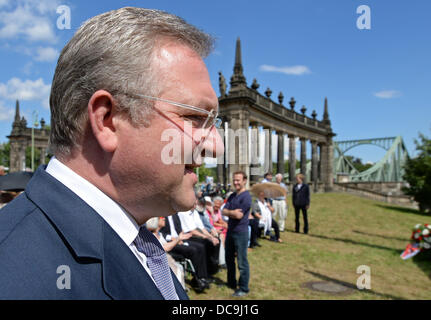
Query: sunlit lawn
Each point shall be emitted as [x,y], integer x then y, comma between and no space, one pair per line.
[345,232]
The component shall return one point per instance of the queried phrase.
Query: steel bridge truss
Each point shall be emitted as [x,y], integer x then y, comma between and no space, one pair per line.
[389,169]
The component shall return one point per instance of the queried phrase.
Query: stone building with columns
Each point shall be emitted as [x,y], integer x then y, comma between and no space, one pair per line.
[21,138]
[244,109]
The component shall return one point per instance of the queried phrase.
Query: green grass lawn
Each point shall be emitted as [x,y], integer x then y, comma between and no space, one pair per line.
[345,232]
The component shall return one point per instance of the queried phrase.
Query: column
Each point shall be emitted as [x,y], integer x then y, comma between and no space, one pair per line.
[221,160]
[42,156]
[292,158]
[324,163]
[314,164]
[255,167]
[280,152]
[329,183]
[238,144]
[304,157]
[319,162]
[268,155]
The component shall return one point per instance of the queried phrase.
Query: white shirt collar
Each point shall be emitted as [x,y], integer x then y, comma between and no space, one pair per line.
[119,220]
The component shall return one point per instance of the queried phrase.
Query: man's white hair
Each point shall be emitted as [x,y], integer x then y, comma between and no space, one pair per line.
[152,224]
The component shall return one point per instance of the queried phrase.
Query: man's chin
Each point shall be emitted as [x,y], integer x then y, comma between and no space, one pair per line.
[185,203]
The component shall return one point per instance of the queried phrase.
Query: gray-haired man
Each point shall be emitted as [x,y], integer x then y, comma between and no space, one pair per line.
[125,78]
[280,205]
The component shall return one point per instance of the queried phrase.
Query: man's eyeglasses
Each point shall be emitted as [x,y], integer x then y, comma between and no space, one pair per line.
[197,122]
[205,124]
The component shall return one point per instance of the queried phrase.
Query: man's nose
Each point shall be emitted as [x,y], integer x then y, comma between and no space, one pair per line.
[212,146]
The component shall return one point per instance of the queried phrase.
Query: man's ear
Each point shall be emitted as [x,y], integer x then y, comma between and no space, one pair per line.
[101,113]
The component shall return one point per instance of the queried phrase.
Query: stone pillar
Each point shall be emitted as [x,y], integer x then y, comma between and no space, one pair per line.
[17,156]
[319,162]
[292,158]
[42,156]
[314,165]
[220,173]
[268,151]
[326,165]
[238,144]
[329,182]
[255,166]
[304,157]
[221,160]
[280,152]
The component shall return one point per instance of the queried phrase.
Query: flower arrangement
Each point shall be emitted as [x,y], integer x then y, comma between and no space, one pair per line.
[422,236]
[420,240]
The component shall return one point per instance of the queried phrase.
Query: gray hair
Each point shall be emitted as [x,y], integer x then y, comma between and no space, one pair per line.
[152,224]
[218,198]
[113,51]
[279,175]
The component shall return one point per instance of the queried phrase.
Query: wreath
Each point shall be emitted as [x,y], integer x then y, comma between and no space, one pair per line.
[420,240]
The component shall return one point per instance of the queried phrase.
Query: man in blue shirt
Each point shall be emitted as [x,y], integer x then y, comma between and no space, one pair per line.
[237,208]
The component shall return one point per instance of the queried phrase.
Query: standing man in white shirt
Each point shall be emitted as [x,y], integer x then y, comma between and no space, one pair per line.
[279,204]
[126,79]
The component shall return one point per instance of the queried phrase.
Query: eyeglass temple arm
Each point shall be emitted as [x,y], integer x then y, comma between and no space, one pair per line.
[176,104]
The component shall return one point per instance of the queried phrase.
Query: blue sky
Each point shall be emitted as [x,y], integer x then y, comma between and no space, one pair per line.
[377,81]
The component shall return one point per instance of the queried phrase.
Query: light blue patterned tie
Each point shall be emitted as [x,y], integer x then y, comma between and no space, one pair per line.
[157,261]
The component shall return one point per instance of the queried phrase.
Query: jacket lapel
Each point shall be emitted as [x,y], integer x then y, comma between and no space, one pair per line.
[123,275]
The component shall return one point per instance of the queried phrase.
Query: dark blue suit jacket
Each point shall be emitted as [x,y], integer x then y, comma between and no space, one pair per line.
[301,198]
[47,227]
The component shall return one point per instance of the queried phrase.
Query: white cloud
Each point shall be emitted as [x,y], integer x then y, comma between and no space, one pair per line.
[27,90]
[6,114]
[292,70]
[387,94]
[33,20]
[47,54]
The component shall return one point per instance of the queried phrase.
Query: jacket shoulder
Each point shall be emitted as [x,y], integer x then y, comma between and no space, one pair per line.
[13,214]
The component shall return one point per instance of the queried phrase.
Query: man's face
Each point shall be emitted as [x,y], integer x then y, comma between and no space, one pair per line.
[298,180]
[269,177]
[162,222]
[217,205]
[145,181]
[278,179]
[239,182]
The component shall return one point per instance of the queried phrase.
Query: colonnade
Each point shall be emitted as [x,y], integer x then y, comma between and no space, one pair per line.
[251,145]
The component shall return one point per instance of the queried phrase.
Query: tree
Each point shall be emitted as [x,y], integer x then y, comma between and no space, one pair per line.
[358,164]
[204,172]
[5,154]
[418,174]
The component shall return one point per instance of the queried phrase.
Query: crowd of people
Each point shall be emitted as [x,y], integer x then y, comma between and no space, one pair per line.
[219,230]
